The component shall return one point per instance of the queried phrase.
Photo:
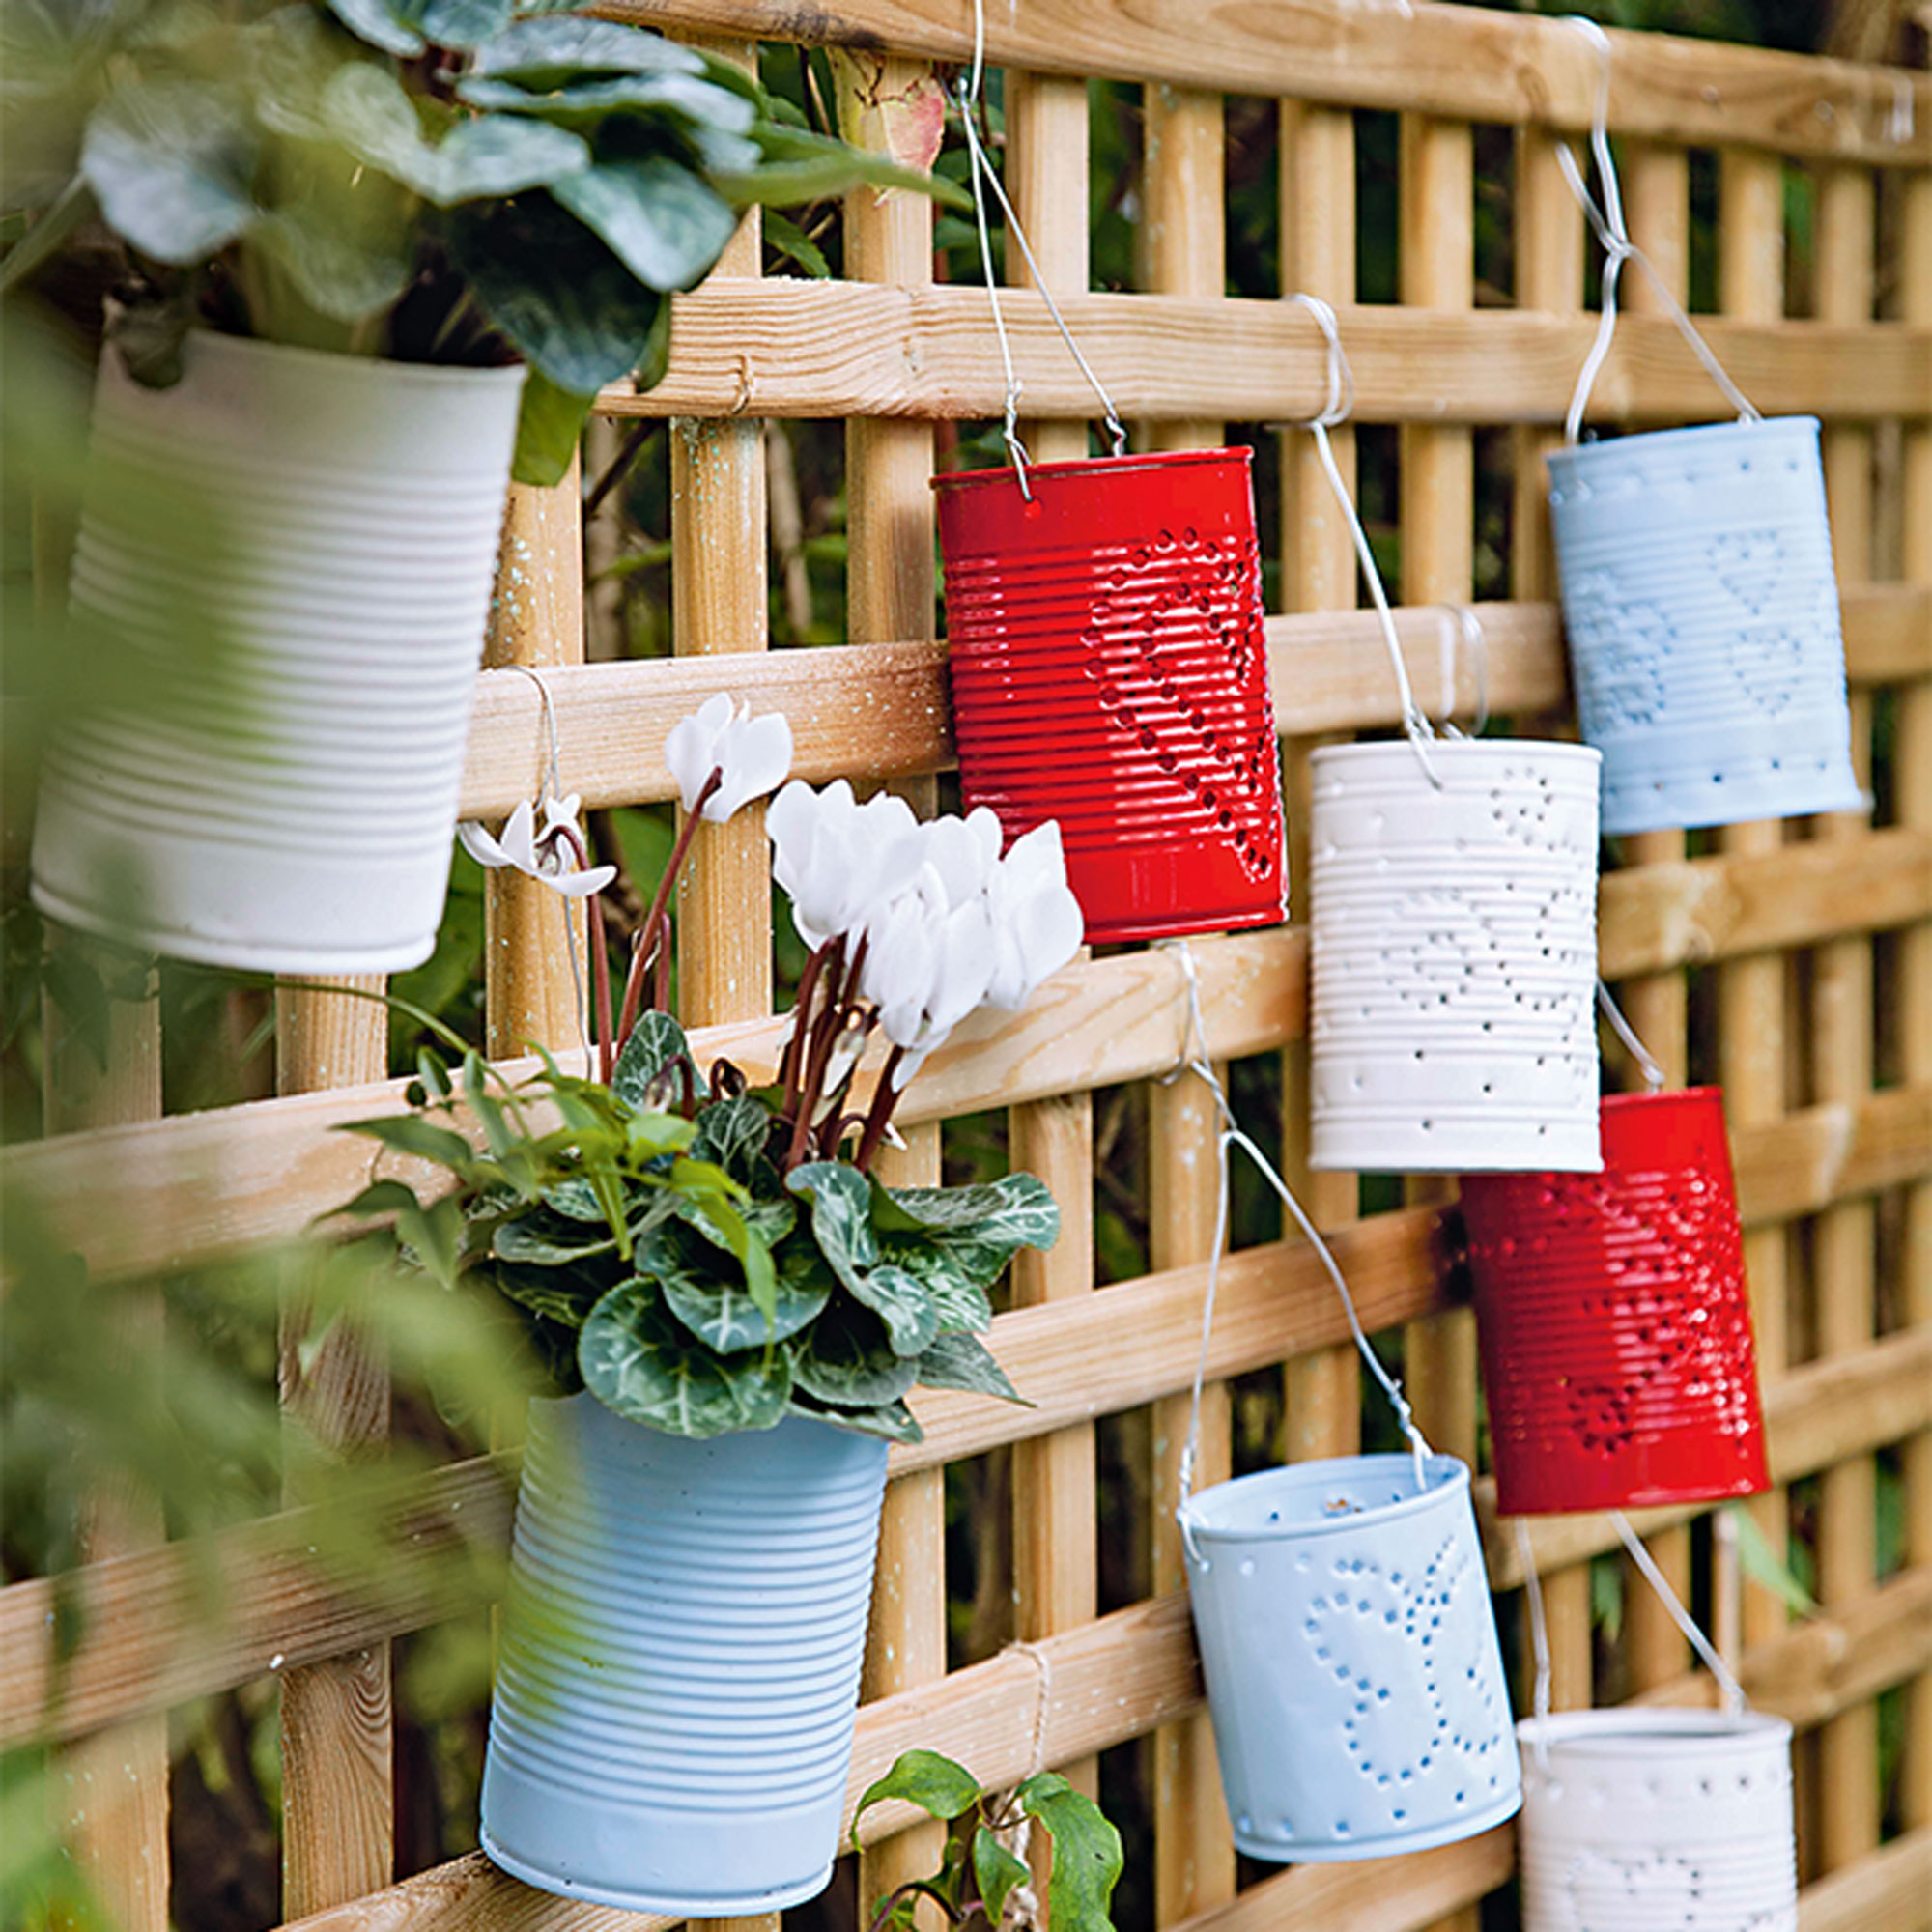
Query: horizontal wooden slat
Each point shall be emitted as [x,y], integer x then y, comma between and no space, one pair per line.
[154,1646]
[1823,1413]
[1104,1683]
[1452,61]
[794,347]
[1803,1162]
[1377,1895]
[880,711]
[1886,1890]
[1656,916]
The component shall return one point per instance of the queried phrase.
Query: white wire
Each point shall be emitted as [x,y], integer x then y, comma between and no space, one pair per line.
[1654,1076]
[1460,618]
[1340,402]
[1200,1065]
[1612,233]
[981,167]
[1735,1703]
[1539,1637]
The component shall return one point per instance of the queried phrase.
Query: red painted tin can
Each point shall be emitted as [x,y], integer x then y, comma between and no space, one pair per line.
[1615,1324]
[1109,671]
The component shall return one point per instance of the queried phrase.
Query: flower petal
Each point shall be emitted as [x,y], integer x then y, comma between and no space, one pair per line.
[755,754]
[480,844]
[580,885]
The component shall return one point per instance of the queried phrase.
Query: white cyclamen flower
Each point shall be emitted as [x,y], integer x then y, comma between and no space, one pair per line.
[753,755]
[548,856]
[837,859]
[927,965]
[1037,925]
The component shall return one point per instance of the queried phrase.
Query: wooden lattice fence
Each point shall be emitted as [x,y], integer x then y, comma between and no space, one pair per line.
[1751,956]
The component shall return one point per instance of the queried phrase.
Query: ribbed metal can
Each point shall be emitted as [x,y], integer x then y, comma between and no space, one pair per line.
[1614,1321]
[1109,671]
[1454,956]
[1635,1820]
[1354,1674]
[678,1670]
[1703,621]
[287,804]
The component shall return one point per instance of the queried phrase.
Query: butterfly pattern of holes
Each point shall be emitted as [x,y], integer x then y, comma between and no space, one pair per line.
[1408,1649]
[1181,602]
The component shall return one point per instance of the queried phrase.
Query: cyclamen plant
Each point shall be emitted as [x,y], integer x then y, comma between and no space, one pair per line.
[706,1256]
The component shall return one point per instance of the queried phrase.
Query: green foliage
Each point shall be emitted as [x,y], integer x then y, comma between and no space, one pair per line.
[646,1245]
[978,1872]
[448,181]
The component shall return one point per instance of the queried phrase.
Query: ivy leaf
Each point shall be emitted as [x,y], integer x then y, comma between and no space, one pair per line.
[641,1363]
[978,1229]
[963,1362]
[655,1040]
[557,1294]
[1086,1853]
[366,109]
[549,424]
[564,298]
[898,1300]
[371,20]
[172,164]
[733,1133]
[575,1197]
[551,1240]
[545,53]
[997,1871]
[718,1307]
[659,218]
[841,1216]
[846,1358]
[939,1787]
[961,1305]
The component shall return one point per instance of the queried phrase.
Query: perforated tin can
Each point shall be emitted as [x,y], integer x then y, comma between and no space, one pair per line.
[678,1672]
[1350,1654]
[1109,671]
[1703,621]
[1636,1821]
[1454,956]
[1613,1318]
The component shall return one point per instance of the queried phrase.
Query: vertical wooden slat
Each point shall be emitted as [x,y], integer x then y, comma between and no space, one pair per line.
[889,589]
[1912,764]
[536,618]
[1550,242]
[1438,270]
[338,1732]
[1183,239]
[115,1785]
[1751,1004]
[1056,1505]
[1657,197]
[1843,1043]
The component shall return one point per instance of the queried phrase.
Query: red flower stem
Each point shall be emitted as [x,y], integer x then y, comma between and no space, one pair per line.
[792,1063]
[884,1101]
[824,1031]
[640,953]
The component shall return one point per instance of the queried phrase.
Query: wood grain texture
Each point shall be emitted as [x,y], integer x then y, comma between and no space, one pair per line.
[338,1717]
[790,348]
[1439,59]
[1883,1892]
[536,619]
[869,712]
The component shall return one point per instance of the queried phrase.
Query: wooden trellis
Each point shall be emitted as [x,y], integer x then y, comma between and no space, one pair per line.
[1830,1100]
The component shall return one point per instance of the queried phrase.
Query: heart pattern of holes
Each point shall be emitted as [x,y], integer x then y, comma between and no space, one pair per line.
[1166,599]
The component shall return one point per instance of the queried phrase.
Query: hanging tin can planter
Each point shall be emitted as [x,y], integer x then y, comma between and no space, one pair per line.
[1454,956]
[1354,1673]
[1634,1820]
[1702,614]
[1614,1321]
[1109,671]
[287,804]
[678,1671]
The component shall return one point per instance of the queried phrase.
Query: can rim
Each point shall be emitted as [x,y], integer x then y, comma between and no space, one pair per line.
[1628,1734]
[1095,466]
[1448,1476]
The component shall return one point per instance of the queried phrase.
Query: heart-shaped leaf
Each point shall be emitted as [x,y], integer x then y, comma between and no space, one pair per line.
[892,1421]
[640,1361]
[939,1787]
[841,1216]
[963,1362]
[678,102]
[733,1133]
[379,24]
[997,1871]
[903,1305]
[548,52]
[846,1358]
[658,219]
[173,165]
[655,1040]
[1086,1856]
[455,23]
[716,1304]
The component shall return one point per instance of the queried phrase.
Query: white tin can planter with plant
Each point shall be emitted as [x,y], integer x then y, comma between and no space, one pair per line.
[1703,621]
[1637,1820]
[290,807]
[678,1672]
[1454,956]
